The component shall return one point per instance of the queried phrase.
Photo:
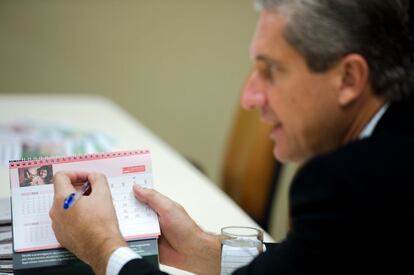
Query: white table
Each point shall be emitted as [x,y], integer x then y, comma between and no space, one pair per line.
[173,175]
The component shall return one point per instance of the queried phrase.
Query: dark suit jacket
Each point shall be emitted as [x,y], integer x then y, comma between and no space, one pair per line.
[352,209]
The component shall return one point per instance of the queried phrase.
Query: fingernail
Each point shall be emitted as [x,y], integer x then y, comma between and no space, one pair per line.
[137,186]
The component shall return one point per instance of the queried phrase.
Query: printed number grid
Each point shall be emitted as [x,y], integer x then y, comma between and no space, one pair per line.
[131,213]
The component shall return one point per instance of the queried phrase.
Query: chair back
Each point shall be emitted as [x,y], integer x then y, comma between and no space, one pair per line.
[248,171]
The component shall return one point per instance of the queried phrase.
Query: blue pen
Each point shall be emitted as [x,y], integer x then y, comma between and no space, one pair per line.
[73,197]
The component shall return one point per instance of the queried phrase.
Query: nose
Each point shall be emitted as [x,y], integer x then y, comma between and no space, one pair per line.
[252,96]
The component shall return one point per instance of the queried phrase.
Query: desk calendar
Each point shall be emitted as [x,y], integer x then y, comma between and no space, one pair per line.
[31,184]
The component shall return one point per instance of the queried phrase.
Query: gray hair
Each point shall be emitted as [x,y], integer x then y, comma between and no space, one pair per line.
[323,31]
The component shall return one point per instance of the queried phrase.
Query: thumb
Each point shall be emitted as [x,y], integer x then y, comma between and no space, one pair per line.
[160,203]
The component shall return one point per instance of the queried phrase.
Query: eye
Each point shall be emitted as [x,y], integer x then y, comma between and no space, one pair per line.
[268,71]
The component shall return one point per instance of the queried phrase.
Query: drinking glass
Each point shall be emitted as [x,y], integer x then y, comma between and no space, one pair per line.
[239,246]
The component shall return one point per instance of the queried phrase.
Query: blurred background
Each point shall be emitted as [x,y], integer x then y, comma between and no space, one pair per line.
[177,66]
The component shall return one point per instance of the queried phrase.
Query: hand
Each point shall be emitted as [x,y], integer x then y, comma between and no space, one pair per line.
[183,243]
[89,228]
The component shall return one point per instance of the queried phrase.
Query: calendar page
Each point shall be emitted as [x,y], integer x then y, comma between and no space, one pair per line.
[32,195]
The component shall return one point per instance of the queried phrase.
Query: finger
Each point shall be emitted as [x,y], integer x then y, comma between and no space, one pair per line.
[99,184]
[160,203]
[77,178]
[62,184]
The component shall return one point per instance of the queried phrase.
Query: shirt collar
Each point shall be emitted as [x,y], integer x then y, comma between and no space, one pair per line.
[369,128]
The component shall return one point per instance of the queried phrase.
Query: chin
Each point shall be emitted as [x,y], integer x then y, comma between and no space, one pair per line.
[286,157]
[279,155]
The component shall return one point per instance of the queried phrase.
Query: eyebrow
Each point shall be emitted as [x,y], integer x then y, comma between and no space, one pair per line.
[267,60]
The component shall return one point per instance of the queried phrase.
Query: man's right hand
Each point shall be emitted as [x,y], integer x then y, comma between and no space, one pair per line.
[89,229]
[183,244]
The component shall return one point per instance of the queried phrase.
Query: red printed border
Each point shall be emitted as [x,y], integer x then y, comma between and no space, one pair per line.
[141,236]
[38,248]
[133,169]
[67,159]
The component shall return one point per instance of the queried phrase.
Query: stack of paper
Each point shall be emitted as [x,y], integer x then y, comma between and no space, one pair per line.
[6,266]
[5,212]
[29,139]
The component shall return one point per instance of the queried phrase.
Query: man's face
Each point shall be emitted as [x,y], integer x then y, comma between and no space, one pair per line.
[298,103]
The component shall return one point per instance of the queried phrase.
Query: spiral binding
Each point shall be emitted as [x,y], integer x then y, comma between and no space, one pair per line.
[73,158]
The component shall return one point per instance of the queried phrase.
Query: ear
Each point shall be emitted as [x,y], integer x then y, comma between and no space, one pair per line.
[354,78]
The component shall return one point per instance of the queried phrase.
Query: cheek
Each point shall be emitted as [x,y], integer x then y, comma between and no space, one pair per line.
[292,143]
[287,100]
[299,105]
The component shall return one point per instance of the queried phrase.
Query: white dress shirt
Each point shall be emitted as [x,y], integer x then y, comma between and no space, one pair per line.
[119,258]
[369,128]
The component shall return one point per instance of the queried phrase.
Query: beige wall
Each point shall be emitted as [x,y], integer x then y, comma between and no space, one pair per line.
[176,65]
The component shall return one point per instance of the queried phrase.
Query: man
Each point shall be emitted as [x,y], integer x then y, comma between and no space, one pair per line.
[335,80]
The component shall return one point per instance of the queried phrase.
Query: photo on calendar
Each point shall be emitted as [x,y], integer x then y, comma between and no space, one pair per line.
[33,176]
